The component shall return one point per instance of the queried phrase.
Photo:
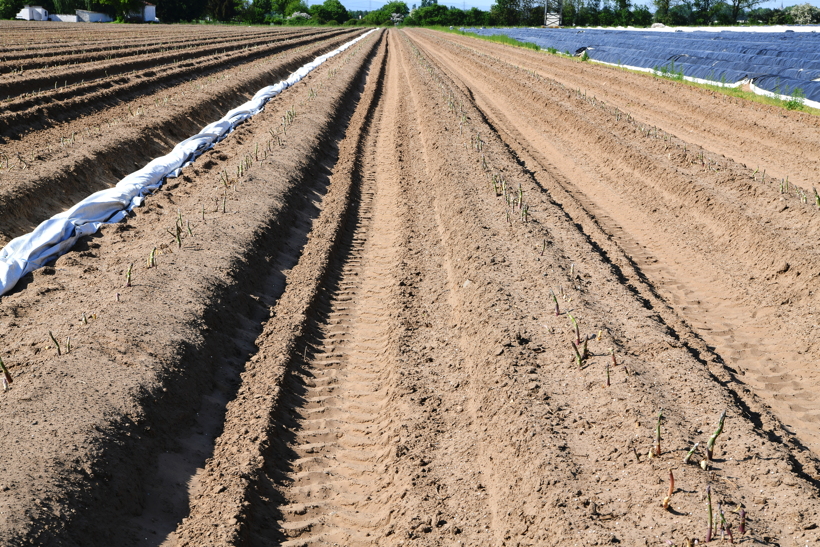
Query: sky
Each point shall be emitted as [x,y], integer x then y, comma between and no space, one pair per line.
[485,4]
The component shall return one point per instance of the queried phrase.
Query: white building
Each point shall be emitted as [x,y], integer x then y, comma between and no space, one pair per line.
[63,17]
[149,13]
[85,16]
[33,13]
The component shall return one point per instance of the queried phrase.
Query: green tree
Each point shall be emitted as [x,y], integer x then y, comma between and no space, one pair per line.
[174,11]
[505,12]
[292,6]
[583,13]
[475,17]
[10,8]
[606,16]
[124,8]
[702,11]
[255,12]
[382,15]
[641,16]
[681,14]
[662,10]
[330,10]
[805,14]
[223,10]
[431,14]
[740,5]
[623,15]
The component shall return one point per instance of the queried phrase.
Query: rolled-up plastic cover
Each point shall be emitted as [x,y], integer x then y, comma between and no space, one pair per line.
[58,234]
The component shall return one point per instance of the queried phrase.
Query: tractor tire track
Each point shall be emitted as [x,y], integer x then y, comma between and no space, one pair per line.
[273,384]
[338,421]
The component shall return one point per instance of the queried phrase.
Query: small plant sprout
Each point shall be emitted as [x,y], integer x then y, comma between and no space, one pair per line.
[614,360]
[577,330]
[725,527]
[152,258]
[816,197]
[68,344]
[128,275]
[84,319]
[607,375]
[544,249]
[179,216]
[585,349]
[56,343]
[657,446]
[742,526]
[578,360]
[710,446]
[6,375]
[554,299]
[668,497]
[709,513]
[188,226]
[224,198]
[688,457]
[176,234]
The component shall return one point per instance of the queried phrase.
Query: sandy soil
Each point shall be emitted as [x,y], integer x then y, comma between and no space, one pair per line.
[357,342]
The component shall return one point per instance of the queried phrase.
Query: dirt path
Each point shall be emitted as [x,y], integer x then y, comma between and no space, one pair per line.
[339,419]
[367,338]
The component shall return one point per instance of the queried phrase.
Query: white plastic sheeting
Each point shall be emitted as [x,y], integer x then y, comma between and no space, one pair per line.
[58,234]
[761,91]
[687,78]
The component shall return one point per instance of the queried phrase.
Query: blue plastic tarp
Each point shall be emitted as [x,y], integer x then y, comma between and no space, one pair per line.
[775,61]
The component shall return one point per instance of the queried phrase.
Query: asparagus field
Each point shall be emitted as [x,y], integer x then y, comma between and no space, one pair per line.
[442,291]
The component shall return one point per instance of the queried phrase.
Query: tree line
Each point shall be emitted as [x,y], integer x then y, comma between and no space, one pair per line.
[430,12]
